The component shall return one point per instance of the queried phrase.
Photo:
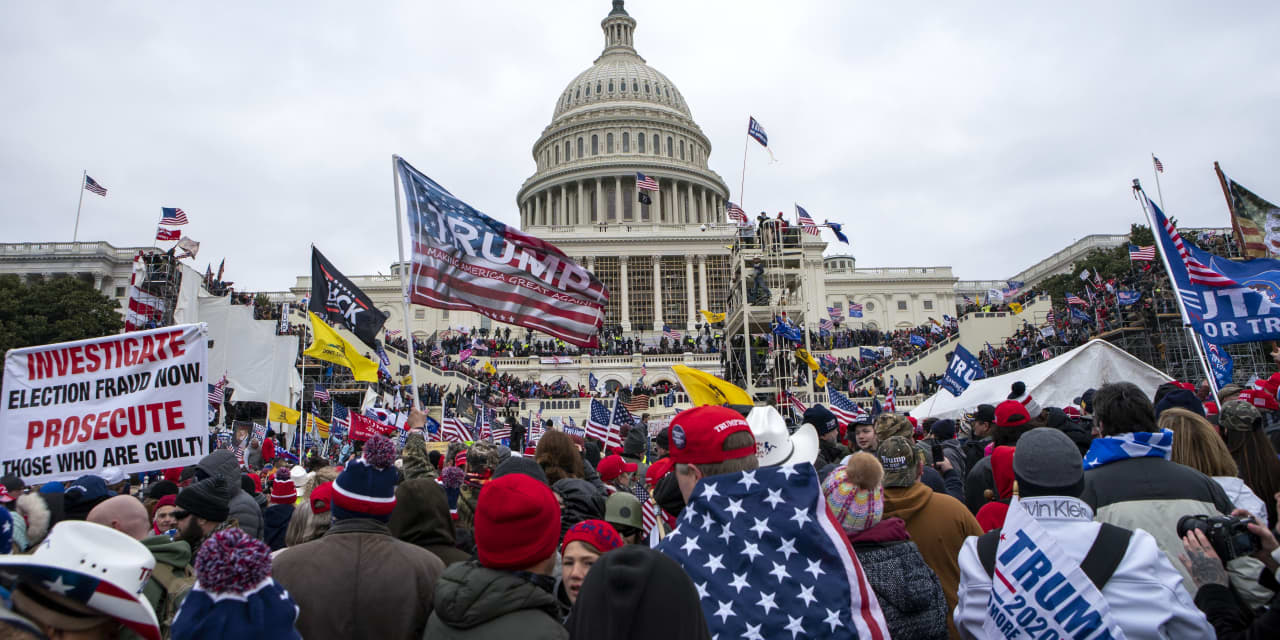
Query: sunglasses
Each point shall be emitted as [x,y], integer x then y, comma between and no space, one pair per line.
[178,514]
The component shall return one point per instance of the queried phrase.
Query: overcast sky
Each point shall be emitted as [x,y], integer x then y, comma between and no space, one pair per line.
[982,135]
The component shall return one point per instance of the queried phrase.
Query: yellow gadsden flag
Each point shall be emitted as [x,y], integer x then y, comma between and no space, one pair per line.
[279,413]
[331,347]
[821,381]
[706,389]
[712,318]
[807,359]
[490,369]
[1015,307]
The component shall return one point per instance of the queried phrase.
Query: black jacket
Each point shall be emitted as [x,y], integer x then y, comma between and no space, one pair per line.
[275,522]
[421,517]
[581,502]
[472,601]
[637,592]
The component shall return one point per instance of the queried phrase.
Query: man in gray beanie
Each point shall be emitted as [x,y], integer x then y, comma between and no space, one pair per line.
[1141,588]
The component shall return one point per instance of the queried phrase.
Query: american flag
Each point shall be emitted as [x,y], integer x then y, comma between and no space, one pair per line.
[844,408]
[806,222]
[827,324]
[598,421]
[436,352]
[1050,318]
[796,405]
[639,403]
[168,235]
[672,334]
[645,182]
[788,568]
[890,400]
[452,429]
[92,185]
[855,310]
[649,513]
[172,216]
[391,333]
[834,313]
[481,425]
[535,285]
[341,418]
[501,430]
[736,214]
[1076,300]
[1142,254]
[1197,271]
[620,417]
[216,392]
[1159,165]
[321,394]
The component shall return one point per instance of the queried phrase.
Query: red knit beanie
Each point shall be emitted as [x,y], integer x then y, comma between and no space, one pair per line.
[517,522]
[283,491]
[597,533]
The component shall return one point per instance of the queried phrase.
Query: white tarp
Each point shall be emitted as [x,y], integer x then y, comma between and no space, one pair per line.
[258,363]
[1052,383]
[187,309]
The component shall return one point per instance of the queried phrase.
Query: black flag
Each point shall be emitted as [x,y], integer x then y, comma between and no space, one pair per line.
[339,302]
[645,199]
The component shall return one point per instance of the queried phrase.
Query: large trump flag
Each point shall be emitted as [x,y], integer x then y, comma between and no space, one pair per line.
[463,259]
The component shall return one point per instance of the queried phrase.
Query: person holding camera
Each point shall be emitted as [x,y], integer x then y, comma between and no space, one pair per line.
[1204,561]
[1129,480]
[1049,539]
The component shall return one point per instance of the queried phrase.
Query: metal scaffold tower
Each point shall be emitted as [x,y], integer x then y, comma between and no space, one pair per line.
[161,277]
[768,285]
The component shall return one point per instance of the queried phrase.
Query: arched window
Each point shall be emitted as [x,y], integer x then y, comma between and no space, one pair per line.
[557,154]
[657,147]
[566,151]
[622,85]
[635,85]
[579,146]
[598,91]
[608,143]
[610,86]
[640,141]
[646,87]
[671,149]
[682,149]
[595,144]
[588,91]
[626,142]
[577,93]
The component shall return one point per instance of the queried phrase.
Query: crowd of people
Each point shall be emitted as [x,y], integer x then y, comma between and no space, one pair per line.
[1123,513]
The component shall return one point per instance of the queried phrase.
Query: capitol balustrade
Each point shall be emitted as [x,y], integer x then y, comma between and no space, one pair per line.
[580,408]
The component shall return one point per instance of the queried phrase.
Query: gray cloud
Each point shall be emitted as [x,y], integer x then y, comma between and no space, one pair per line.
[985,136]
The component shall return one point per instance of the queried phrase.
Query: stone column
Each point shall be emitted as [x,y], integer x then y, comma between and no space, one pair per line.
[693,204]
[97,282]
[688,286]
[702,280]
[536,203]
[707,213]
[617,196]
[582,192]
[656,209]
[626,299]
[564,204]
[599,200]
[657,293]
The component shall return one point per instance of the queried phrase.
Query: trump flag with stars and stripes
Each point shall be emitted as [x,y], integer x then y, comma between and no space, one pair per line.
[465,260]
[769,560]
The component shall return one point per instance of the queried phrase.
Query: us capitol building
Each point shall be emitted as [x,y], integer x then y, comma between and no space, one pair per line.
[663,261]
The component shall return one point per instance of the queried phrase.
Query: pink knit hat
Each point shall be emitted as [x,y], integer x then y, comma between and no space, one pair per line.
[855,494]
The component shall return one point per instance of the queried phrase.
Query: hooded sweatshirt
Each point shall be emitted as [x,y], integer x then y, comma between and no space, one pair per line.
[421,517]
[244,509]
[637,592]
[991,515]
[275,523]
[938,524]
[476,602]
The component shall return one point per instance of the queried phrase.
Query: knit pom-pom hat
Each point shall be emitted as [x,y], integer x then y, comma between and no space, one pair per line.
[366,488]
[235,595]
[283,491]
[855,493]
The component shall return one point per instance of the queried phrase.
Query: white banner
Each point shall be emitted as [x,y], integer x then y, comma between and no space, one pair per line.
[136,401]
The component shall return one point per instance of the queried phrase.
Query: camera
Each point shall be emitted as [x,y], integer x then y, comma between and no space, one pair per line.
[1228,535]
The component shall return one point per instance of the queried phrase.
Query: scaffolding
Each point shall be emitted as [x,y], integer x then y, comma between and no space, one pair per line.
[767,283]
[158,275]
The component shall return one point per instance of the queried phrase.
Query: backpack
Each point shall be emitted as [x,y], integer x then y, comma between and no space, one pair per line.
[176,585]
[1098,564]
[974,451]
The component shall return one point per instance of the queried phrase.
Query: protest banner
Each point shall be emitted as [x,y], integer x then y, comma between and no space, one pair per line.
[363,426]
[134,401]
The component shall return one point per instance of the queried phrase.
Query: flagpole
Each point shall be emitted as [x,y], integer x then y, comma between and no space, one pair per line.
[303,398]
[1182,309]
[404,283]
[1231,210]
[84,173]
[1159,194]
[742,184]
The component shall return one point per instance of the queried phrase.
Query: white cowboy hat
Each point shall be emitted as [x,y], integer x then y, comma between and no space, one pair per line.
[96,566]
[774,446]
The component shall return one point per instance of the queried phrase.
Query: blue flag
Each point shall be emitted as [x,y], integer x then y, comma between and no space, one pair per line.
[868,354]
[1080,315]
[592,380]
[1220,363]
[963,369]
[1227,302]
[787,331]
[1126,298]
[432,425]
[917,340]
[669,400]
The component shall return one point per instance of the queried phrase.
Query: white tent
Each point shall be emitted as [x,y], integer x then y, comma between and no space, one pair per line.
[1052,383]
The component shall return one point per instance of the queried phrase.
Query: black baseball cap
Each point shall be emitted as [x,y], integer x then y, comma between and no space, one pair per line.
[984,413]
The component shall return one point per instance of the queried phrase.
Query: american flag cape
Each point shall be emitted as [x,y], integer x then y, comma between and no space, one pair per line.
[769,561]
[890,402]
[465,260]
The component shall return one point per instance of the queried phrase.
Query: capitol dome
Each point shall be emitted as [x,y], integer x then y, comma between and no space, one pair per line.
[619,118]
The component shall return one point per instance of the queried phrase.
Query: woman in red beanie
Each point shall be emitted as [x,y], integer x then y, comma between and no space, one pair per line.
[582,545]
